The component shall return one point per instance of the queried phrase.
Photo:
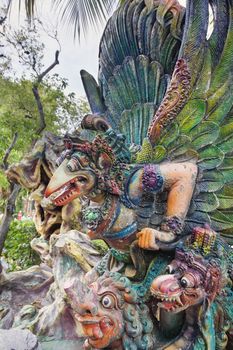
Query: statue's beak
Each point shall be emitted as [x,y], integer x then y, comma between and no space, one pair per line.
[59,179]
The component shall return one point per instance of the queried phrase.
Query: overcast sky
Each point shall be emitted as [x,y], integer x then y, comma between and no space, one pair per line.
[74,55]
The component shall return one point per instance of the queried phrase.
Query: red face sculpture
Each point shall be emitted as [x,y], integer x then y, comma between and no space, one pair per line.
[110,315]
[98,307]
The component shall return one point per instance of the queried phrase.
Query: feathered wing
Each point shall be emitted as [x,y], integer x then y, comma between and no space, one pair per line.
[204,127]
[176,92]
[138,52]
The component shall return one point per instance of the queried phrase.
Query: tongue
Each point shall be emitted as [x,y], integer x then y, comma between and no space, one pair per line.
[166,305]
[97,333]
[59,193]
[105,324]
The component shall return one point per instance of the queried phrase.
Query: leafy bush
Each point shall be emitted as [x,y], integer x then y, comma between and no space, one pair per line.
[17,251]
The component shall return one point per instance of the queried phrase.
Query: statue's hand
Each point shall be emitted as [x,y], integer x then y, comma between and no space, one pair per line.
[148,236]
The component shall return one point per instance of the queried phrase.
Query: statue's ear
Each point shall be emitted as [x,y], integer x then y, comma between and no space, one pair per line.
[212,283]
[212,286]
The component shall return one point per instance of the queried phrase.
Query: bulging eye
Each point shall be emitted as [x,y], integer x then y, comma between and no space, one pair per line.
[185,282]
[108,302]
[82,179]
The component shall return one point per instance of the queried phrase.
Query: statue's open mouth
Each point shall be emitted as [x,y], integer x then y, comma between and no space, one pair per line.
[172,303]
[96,328]
[66,193]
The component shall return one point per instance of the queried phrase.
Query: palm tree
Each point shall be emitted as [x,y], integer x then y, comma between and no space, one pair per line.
[81,14]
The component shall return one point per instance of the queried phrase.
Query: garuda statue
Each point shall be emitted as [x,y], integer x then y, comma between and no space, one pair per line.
[159,168]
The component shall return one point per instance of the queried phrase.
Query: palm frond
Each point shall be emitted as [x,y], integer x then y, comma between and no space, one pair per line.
[30,8]
[83,14]
[28,5]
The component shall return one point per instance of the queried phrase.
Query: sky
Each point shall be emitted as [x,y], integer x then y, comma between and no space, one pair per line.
[74,55]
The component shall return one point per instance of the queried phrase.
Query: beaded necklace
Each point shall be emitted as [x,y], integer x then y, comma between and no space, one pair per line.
[101,219]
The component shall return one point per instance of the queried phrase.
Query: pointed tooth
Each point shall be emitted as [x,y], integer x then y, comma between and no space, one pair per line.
[158,314]
[179,300]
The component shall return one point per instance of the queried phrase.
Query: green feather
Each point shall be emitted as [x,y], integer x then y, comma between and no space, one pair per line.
[205,76]
[210,158]
[207,202]
[159,154]
[220,103]
[191,115]
[211,181]
[170,135]
[225,197]
[222,220]
[226,138]
[204,134]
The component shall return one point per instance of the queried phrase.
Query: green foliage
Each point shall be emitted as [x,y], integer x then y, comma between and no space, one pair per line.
[18,113]
[18,107]
[17,250]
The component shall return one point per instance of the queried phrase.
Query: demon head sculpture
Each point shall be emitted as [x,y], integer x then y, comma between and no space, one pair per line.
[110,314]
[196,275]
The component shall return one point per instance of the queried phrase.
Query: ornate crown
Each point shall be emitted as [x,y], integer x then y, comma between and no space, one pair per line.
[106,154]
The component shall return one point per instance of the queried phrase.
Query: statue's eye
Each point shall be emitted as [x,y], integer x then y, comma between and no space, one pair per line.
[108,302]
[82,179]
[185,282]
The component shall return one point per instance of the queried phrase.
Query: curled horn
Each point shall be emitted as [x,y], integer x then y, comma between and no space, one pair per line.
[95,122]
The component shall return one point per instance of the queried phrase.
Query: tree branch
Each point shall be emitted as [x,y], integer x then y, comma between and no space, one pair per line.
[10,203]
[42,124]
[2,20]
[8,151]
[42,75]
[8,214]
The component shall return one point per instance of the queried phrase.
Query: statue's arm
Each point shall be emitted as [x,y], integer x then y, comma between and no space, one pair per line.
[179,179]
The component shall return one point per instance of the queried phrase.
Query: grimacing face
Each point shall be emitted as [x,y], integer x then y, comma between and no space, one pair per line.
[105,326]
[73,178]
[181,288]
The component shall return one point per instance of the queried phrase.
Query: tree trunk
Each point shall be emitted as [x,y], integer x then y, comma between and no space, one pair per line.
[8,214]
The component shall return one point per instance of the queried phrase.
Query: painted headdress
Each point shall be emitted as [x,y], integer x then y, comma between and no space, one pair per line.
[206,253]
[106,155]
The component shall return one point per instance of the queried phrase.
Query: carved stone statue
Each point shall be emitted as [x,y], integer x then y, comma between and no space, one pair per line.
[198,280]
[154,183]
